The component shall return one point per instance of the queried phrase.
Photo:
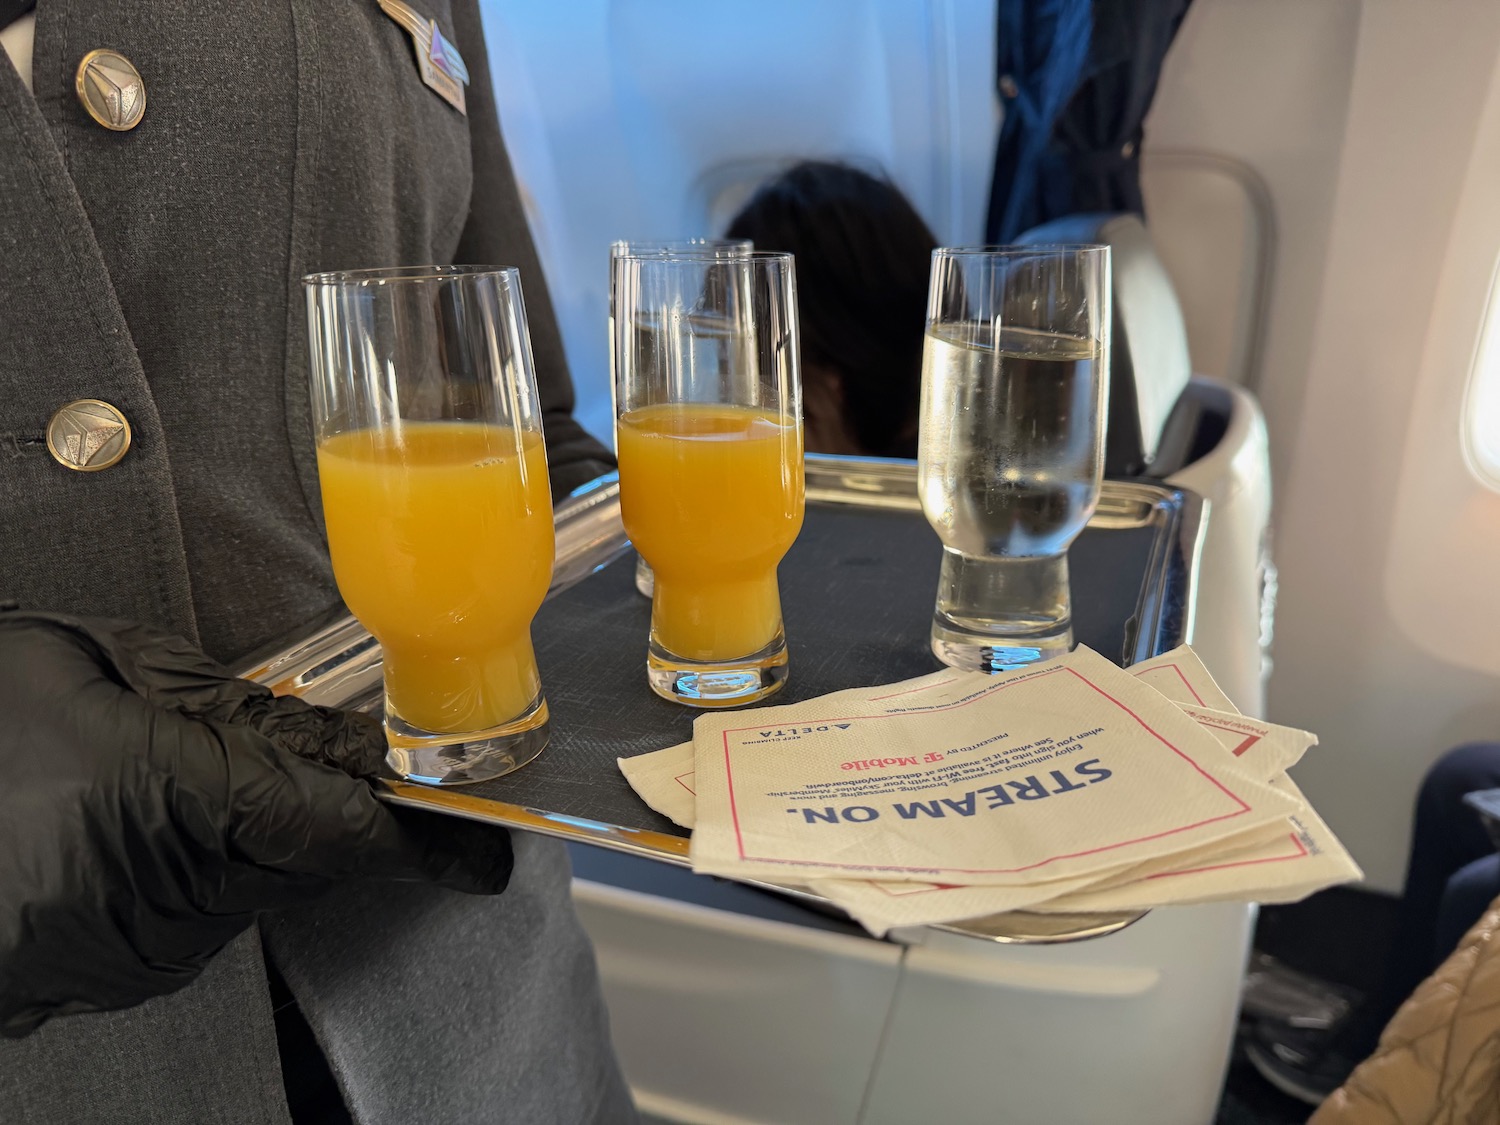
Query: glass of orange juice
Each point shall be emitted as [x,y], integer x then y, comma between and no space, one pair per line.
[437,505]
[645,581]
[709,436]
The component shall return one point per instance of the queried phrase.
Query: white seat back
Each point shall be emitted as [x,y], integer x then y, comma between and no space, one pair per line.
[1213,227]
[1236,580]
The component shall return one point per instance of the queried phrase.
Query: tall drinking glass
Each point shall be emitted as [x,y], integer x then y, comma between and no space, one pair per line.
[435,493]
[1015,374]
[645,581]
[709,436]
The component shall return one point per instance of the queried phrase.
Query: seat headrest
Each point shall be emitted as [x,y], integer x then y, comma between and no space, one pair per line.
[1149,363]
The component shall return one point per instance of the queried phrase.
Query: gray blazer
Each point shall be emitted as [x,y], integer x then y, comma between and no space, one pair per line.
[157,270]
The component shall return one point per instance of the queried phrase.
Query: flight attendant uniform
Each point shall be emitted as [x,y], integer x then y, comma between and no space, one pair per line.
[174,170]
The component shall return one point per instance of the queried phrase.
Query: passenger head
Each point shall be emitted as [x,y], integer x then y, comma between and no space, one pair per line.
[863,256]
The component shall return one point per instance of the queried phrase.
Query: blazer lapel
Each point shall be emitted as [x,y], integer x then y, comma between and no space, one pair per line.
[63,338]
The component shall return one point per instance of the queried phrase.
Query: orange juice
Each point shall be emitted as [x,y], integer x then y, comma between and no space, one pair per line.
[712,497]
[442,544]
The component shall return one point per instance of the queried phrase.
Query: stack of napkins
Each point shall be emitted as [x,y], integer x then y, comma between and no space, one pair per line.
[1071,786]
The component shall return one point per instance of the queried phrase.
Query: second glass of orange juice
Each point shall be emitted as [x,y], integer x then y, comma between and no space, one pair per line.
[439,515]
[645,581]
[709,437]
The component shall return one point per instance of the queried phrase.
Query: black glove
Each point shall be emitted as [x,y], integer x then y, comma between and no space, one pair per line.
[151,803]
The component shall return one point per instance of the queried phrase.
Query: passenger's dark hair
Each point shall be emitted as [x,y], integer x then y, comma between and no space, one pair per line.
[863,257]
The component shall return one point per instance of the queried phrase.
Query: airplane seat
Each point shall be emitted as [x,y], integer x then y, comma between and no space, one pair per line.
[1236,577]
[1199,433]
[1213,224]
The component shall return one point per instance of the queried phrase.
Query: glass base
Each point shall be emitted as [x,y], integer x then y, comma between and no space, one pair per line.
[996,615]
[462,759]
[970,653]
[730,683]
[645,577]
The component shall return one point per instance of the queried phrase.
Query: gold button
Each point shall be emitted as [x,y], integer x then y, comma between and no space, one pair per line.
[88,435]
[110,88]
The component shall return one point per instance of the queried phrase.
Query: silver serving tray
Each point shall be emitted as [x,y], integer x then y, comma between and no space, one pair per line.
[338,663]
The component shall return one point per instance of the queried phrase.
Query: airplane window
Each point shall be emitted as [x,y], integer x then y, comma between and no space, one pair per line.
[1481,420]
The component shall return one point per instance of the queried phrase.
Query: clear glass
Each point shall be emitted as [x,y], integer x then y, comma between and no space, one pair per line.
[1015,372]
[645,581]
[709,436]
[436,498]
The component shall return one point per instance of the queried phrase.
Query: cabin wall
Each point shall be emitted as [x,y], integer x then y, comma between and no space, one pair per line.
[1365,120]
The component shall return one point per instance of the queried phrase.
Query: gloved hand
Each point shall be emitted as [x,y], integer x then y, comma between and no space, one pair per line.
[151,803]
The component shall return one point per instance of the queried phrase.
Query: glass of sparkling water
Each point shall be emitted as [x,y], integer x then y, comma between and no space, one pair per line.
[1015,379]
[645,580]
